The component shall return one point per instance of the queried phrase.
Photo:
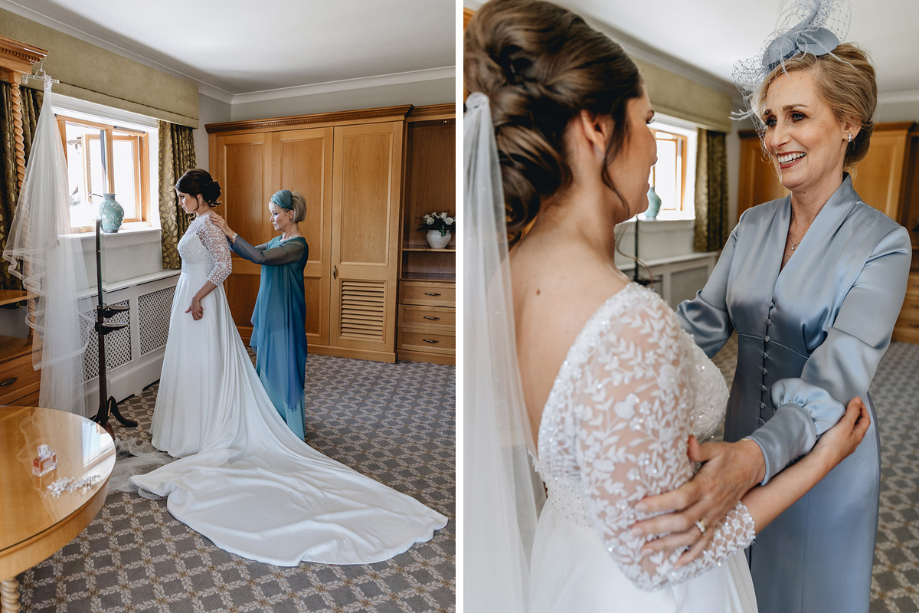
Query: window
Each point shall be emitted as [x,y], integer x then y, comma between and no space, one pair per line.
[105,158]
[673,177]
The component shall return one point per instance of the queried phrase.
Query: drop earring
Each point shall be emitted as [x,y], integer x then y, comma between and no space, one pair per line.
[850,137]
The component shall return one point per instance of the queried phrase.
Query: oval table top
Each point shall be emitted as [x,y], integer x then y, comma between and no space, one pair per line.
[34,523]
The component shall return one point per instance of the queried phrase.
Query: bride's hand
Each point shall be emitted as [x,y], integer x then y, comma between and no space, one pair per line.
[196,310]
[221,223]
[838,443]
[729,471]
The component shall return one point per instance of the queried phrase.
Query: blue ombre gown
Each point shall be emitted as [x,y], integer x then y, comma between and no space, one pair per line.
[810,337]
[278,324]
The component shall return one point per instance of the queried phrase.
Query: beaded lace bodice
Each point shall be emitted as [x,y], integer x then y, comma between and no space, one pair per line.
[204,249]
[631,390]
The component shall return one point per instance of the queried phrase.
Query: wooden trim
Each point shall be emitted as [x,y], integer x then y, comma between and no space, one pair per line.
[18,56]
[358,354]
[387,112]
[431,358]
[901,126]
[432,112]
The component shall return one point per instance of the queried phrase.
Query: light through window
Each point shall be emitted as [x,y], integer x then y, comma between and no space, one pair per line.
[104,158]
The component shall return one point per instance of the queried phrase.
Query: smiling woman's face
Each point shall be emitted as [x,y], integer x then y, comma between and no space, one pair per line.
[807,143]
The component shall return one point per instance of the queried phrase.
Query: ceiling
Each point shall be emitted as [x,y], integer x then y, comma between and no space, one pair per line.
[711,35]
[233,47]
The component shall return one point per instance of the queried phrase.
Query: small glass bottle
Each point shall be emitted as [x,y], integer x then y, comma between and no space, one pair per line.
[45,462]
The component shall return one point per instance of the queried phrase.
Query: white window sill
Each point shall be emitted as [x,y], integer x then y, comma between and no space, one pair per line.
[662,225]
[137,233]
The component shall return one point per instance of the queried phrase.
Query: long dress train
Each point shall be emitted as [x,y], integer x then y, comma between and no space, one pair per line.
[246,481]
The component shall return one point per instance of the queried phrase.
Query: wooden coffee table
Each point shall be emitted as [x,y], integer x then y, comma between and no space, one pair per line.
[34,524]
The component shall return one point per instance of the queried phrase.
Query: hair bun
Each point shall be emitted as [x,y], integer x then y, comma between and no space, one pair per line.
[540,65]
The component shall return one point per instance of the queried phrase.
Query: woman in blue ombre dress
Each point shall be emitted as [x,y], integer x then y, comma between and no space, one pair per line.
[278,320]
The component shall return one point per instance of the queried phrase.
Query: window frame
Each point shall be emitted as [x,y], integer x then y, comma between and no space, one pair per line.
[682,150]
[141,160]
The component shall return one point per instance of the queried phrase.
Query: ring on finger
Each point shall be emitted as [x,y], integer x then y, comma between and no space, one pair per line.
[701,526]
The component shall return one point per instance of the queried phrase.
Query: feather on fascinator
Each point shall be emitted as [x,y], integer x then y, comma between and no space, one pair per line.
[804,26]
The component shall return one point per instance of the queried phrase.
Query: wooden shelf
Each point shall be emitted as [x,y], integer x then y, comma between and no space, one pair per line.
[427,250]
[428,276]
[9,296]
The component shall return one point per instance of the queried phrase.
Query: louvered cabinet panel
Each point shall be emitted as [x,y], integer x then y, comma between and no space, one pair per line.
[365,238]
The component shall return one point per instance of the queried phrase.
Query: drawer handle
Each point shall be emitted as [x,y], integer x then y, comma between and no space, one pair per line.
[335,272]
[10,381]
[431,318]
[431,294]
[429,341]
[910,324]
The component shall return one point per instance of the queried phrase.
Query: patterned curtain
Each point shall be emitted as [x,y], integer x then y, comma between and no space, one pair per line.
[177,156]
[711,228]
[9,181]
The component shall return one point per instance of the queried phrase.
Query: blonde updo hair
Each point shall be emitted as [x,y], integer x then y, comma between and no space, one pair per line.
[298,206]
[540,65]
[846,82]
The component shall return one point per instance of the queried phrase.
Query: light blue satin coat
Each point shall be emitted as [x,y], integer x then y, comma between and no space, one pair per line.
[810,337]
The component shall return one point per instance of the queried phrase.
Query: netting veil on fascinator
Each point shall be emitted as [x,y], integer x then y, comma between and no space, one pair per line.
[805,26]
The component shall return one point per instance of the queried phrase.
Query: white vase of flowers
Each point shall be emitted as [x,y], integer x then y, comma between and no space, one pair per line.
[438,229]
[437,240]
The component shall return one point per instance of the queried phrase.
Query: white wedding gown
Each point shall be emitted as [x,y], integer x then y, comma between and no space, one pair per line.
[244,479]
[631,390]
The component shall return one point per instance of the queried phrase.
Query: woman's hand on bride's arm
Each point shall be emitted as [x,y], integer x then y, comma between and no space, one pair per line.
[221,223]
[728,472]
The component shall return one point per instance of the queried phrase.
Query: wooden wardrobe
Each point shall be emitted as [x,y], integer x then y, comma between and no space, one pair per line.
[887,179]
[350,166]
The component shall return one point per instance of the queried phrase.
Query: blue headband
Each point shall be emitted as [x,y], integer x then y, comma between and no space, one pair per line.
[283,199]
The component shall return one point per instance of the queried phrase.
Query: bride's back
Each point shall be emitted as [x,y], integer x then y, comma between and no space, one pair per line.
[560,95]
[558,283]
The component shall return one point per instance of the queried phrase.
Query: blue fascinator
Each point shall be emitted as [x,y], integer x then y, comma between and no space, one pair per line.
[813,27]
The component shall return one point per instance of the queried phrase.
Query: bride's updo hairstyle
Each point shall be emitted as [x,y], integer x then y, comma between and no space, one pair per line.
[540,65]
[846,82]
[199,181]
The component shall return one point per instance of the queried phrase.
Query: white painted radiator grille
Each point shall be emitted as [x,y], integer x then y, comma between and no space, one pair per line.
[155,309]
[117,344]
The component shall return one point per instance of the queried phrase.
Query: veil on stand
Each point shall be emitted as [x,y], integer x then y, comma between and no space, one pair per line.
[49,261]
[503,494]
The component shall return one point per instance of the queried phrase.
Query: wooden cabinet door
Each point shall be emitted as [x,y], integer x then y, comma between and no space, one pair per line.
[241,163]
[878,178]
[365,235]
[302,162]
[758,181]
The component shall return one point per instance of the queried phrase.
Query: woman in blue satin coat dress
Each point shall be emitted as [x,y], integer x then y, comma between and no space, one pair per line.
[812,284]
[279,317]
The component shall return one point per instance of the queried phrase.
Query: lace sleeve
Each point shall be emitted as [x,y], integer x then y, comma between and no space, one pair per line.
[633,416]
[216,243]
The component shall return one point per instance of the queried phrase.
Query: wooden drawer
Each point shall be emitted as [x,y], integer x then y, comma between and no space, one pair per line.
[18,379]
[427,342]
[435,319]
[428,293]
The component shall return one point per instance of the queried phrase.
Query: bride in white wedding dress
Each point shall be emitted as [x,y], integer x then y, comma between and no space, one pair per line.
[567,361]
[244,479]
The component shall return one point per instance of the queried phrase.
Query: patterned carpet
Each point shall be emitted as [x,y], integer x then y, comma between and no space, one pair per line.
[895,390]
[393,422]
